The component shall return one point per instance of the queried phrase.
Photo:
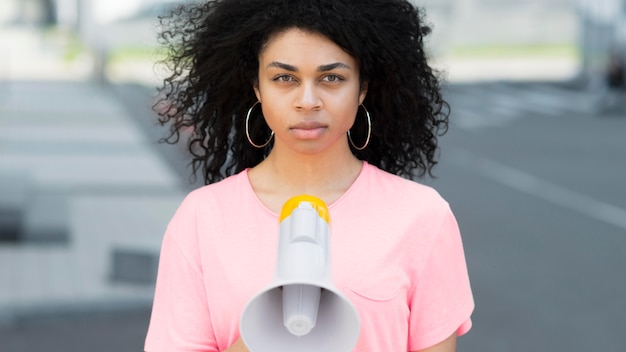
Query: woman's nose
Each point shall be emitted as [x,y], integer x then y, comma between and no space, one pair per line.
[308,97]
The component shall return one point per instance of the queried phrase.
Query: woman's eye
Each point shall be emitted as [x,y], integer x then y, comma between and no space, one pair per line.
[284,78]
[332,78]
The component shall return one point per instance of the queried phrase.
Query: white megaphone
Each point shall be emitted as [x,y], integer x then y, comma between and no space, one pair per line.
[301,310]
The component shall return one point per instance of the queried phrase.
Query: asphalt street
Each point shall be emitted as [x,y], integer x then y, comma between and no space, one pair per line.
[534,173]
[541,202]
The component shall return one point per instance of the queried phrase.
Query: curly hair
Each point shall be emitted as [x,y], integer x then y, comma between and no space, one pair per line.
[213,53]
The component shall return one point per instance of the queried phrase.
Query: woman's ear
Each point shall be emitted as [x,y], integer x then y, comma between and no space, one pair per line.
[363,92]
[257,92]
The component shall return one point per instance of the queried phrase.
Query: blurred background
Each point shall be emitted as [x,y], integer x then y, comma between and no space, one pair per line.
[533,165]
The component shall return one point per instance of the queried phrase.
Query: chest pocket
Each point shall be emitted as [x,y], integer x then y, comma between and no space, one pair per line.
[376,286]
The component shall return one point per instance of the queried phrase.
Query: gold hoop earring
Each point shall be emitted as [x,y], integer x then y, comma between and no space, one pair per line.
[248,129]
[369,131]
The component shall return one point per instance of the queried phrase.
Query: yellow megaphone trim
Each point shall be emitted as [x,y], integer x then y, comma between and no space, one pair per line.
[294,202]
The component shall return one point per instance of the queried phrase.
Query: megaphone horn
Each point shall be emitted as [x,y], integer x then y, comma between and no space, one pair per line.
[301,310]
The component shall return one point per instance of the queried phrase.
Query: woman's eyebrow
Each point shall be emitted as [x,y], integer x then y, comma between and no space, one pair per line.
[333,66]
[284,66]
[323,68]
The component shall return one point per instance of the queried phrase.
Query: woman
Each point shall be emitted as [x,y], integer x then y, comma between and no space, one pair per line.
[332,98]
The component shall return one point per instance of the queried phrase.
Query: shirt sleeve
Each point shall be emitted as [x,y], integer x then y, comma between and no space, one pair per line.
[180,319]
[441,301]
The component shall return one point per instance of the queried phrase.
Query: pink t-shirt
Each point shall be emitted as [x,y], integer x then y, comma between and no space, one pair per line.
[396,253]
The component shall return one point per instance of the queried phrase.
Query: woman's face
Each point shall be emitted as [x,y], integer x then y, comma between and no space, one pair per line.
[310,91]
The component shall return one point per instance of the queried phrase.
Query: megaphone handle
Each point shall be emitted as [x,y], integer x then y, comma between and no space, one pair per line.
[238,346]
[300,306]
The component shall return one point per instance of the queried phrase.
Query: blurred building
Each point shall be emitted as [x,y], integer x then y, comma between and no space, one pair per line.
[504,39]
[489,22]
[595,29]
[603,41]
[71,13]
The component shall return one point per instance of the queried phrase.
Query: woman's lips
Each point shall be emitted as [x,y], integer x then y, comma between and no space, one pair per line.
[308,129]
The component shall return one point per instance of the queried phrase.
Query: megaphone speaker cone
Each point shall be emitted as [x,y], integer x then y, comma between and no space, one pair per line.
[336,330]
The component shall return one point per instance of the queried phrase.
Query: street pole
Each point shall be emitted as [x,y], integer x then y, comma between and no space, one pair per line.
[87,29]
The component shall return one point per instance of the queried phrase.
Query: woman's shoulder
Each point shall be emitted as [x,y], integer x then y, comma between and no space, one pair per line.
[230,188]
[224,185]
[399,189]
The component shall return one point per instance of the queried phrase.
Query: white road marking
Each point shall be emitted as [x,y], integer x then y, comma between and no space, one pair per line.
[542,189]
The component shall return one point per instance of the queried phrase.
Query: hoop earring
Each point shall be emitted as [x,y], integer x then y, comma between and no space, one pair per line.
[369,131]
[248,132]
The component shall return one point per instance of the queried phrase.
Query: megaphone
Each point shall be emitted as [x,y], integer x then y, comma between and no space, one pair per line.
[301,310]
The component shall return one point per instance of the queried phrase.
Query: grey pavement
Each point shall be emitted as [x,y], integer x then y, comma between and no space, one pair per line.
[121,331]
[540,198]
[87,170]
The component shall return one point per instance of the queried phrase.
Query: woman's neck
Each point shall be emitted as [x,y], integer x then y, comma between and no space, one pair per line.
[283,175]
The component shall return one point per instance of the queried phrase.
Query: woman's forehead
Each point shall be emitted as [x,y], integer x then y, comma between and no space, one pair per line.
[296,42]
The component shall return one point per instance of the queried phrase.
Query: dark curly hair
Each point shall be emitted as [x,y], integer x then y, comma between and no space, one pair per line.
[213,52]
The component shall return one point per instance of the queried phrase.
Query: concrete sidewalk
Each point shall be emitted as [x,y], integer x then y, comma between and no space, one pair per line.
[92,198]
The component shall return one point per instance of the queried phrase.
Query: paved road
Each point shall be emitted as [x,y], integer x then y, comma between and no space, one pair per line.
[535,175]
[536,178]
[119,332]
